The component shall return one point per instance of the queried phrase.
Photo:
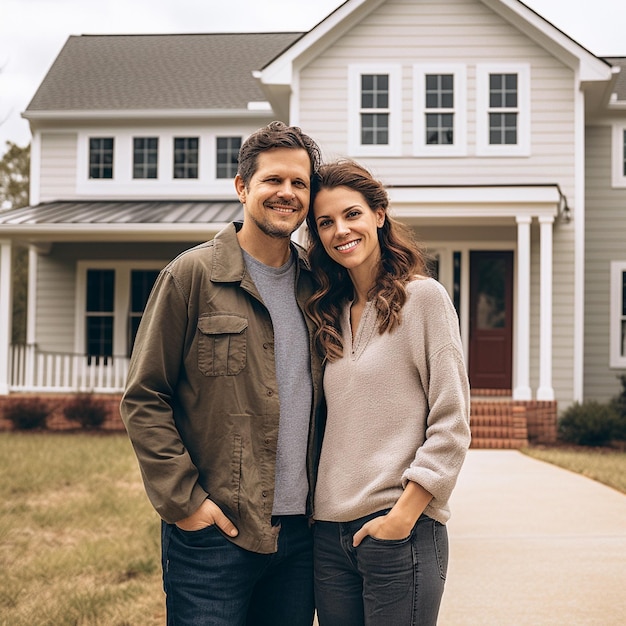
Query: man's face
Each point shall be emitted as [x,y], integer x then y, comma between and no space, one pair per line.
[277,198]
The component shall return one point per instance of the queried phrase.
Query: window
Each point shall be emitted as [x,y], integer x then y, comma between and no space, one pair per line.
[99,313]
[112,299]
[185,157]
[374,110]
[503,110]
[101,157]
[618,314]
[440,110]
[141,282]
[227,151]
[619,155]
[145,157]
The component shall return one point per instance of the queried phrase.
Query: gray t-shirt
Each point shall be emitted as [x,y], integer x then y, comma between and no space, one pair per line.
[276,285]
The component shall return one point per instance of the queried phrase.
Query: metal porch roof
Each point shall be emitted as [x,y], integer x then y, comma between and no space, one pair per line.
[124,212]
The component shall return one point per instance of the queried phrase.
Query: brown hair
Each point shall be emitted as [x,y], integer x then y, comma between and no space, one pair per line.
[400,260]
[274,135]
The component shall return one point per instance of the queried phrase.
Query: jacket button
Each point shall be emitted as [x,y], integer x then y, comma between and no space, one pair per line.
[267,442]
[264,494]
[270,392]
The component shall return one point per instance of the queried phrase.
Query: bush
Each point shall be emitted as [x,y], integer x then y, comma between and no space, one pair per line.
[85,410]
[619,406]
[588,424]
[27,413]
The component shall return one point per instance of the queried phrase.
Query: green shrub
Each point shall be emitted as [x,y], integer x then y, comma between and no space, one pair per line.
[27,413]
[588,424]
[618,403]
[86,410]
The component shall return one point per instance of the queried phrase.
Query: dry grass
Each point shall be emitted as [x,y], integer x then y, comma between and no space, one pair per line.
[79,542]
[602,464]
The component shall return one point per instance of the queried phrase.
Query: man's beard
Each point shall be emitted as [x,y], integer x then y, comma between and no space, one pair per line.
[278,231]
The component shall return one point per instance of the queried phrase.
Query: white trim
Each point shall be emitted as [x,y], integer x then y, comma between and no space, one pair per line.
[123,185]
[122,271]
[394,147]
[579,243]
[459,110]
[521,342]
[6,293]
[545,391]
[618,139]
[31,305]
[483,147]
[617,352]
[34,192]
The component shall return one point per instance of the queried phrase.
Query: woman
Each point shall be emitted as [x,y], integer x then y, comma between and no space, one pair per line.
[398,410]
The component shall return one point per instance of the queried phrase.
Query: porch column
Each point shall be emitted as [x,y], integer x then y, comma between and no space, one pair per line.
[5,314]
[545,390]
[521,388]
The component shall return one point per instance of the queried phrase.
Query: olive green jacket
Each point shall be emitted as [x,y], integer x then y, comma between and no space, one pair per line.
[201,403]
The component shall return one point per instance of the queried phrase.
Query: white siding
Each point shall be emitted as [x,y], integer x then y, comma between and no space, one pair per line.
[453,31]
[605,227]
[54,324]
[58,166]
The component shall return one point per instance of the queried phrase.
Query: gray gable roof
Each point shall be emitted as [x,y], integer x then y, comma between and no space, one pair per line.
[155,72]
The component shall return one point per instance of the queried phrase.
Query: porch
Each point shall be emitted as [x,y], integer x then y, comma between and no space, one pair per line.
[498,420]
[34,370]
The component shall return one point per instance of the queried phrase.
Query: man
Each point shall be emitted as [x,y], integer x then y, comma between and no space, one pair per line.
[229,467]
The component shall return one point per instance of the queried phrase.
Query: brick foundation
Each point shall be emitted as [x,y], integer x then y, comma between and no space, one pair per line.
[496,422]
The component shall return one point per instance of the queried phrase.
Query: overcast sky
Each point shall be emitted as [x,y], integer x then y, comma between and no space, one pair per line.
[32,32]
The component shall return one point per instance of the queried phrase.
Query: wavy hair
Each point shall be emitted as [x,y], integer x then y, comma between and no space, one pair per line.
[401,258]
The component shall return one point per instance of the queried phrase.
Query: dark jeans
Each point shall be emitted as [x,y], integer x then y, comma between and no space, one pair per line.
[379,583]
[210,581]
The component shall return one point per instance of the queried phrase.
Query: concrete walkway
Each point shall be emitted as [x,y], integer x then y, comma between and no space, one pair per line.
[532,544]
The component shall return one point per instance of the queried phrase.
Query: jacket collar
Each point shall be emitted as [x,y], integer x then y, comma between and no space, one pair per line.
[228,264]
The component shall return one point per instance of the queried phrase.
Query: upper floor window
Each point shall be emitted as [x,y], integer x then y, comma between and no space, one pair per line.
[185,157]
[101,157]
[374,110]
[618,157]
[227,151]
[618,314]
[440,110]
[145,157]
[503,110]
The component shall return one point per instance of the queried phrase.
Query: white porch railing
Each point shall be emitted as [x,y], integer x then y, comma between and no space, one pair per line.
[31,369]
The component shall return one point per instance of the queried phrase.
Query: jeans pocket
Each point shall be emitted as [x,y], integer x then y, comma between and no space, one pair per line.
[440,539]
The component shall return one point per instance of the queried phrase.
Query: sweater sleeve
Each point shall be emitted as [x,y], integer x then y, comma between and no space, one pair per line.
[442,371]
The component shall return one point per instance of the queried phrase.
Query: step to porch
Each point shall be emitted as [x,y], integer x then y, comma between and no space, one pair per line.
[498,425]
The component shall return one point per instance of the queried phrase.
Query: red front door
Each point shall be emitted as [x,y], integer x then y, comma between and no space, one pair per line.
[491,320]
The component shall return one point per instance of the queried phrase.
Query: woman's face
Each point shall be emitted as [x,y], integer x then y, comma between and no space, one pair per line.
[347,227]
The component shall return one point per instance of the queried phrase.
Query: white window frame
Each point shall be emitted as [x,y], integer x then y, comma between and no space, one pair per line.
[121,306]
[616,359]
[483,147]
[618,138]
[459,110]
[394,147]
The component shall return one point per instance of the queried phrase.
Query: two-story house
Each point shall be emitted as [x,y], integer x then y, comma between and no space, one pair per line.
[502,142]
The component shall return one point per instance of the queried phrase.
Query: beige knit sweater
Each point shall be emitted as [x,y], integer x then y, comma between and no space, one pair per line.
[398,410]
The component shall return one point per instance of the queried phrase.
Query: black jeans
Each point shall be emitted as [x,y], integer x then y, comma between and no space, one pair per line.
[379,583]
[210,581]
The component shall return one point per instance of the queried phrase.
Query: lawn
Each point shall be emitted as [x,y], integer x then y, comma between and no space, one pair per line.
[601,464]
[79,541]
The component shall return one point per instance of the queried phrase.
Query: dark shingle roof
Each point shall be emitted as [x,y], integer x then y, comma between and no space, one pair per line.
[620,83]
[154,72]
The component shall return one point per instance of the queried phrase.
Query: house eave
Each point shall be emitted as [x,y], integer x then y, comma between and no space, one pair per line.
[33,233]
[254,110]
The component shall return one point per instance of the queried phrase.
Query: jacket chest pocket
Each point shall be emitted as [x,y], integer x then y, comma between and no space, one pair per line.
[222,344]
